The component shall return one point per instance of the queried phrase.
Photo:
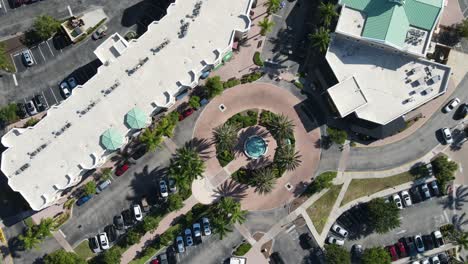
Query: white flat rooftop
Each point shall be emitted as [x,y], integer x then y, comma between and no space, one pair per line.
[351,22]
[391,82]
[140,77]
[347,96]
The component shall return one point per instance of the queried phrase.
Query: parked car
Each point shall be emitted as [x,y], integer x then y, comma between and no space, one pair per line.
[83,200]
[425,191]
[103,186]
[196,230]
[340,230]
[144,204]
[163,188]
[27,58]
[72,82]
[463,110]
[103,241]
[451,105]
[21,110]
[40,103]
[128,217]
[94,244]
[122,169]
[415,194]
[410,246]
[180,244]
[401,250]
[438,239]
[172,185]
[163,258]
[186,114]
[275,258]
[444,259]
[119,222]
[65,89]
[100,32]
[31,108]
[188,237]
[406,198]
[419,243]
[447,135]
[356,252]
[435,260]
[393,254]
[397,200]
[428,242]
[435,188]
[425,261]
[335,240]
[111,232]
[206,226]
[137,212]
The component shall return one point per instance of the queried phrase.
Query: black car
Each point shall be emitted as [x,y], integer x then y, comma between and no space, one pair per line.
[275,258]
[415,195]
[21,110]
[428,242]
[111,232]
[40,103]
[409,244]
[444,259]
[128,218]
[119,222]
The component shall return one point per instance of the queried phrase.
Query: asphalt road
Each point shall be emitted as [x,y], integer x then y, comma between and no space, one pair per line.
[291,247]
[410,148]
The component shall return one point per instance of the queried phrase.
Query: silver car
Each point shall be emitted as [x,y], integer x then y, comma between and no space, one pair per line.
[447,135]
[188,237]
[425,191]
[180,244]
[27,58]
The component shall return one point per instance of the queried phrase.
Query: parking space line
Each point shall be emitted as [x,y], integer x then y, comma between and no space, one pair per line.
[52,91]
[45,99]
[13,60]
[47,42]
[25,100]
[34,58]
[4,7]
[14,79]
[39,48]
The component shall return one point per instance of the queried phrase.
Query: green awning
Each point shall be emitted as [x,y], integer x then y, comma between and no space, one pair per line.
[136,118]
[228,56]
[112,139]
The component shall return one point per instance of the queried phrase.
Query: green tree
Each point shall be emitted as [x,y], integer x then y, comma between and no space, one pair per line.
[8,114]
[375,255]
[150,223]
[264,180]
[45,26]
[461,239]
[265,26]
[281,127]
[132,238]
[320,39]
[175,202]
[287,158]
[273,6]
[225,137]
[167,238]
[230,209]
[5,63]
[106,173]
[335,254]
[444,171]
[337,136]
[221,227]
[29,239]
[44,228]
[111,256]
[321,182]
[63,257]
[167,125]
[327,13]
[194,102]
[186,165]
[214,86]
[90,188]
[150,139]
[383,216]
[462,28]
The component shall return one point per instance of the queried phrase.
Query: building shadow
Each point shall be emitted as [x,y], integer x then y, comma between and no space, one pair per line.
[144,13]
[201,145]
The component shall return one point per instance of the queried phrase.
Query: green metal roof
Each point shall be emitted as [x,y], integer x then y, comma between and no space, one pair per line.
[389,21]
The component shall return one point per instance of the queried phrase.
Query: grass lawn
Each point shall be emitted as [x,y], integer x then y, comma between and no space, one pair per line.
[363,187]
[83,250]
[320,209]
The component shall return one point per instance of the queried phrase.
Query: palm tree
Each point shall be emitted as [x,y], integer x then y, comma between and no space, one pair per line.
[44,227]
[151,139]
[266,26]
[327,12]
[225,137]
[287,158]
[186,165]
[229,209]
[264,180]
[281,127]
[273,6]
[462,240]
[221,227]
[320,39]
[29,239]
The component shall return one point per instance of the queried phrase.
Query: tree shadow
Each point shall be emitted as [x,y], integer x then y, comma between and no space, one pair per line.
[145,183]
[356,221]
[201,145]
[459,221]
[457,199]
[258,163]
[300,188]
[15,246]
[232,189]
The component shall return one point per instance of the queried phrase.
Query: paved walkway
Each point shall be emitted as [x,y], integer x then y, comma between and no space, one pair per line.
[239,99]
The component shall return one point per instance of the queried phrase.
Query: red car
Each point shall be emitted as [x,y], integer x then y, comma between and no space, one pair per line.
[154,261]
[401,249]
[186,114]
[393,253]
[122,169]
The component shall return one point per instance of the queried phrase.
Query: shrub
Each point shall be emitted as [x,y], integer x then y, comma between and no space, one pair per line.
[242,176]
[214,86]
[444,171]
[69,204]
[194,102]
[45,26]
[90,188]
[8,114]
[257,60]
[337,136]
[242,249]
[175,202]
[298,85]
[243,120]
[225,157]
[251,77]
[31,122]
[150,223]
[132,237]
[231,83]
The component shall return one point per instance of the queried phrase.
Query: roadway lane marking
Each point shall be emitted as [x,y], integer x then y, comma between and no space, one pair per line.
[34,58]
[47,42]
[401,232]
[45,99]
[446,217]
[14,79]
[4,7]
[52,91]
[69,10]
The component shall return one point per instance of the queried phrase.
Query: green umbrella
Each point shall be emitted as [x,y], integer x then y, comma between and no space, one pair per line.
[112,139]
[136,118]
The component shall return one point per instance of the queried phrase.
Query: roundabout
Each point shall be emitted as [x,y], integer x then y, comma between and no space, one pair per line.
[256,147]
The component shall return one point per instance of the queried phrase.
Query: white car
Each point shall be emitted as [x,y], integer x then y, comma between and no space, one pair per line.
[65,89]
[425,261]
[406,198]
[188,237]
[103,241]
[397,201]
[137,212]
[180,244]
[27,58]
[419,243]
[447,135]
[334,240]
[415,262]
[340,230]
[196,230]
[206,226]
[435,260]
[163,188]
[451,105]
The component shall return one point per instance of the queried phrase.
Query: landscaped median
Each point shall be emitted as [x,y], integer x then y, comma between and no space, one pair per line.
[320,209]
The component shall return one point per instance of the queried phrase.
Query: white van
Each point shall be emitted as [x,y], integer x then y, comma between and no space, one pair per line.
[103,186]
